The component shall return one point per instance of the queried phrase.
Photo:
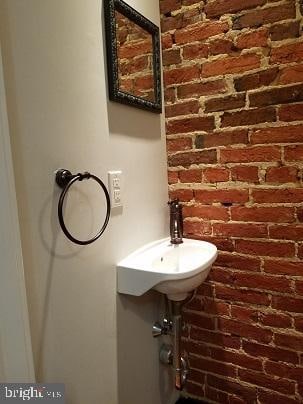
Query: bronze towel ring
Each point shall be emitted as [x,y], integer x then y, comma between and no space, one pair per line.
[65,179]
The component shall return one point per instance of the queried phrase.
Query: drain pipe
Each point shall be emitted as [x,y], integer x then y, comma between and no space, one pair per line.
[177,328]
[173,326]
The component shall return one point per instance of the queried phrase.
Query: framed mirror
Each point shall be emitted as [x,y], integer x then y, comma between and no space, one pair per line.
[133,57]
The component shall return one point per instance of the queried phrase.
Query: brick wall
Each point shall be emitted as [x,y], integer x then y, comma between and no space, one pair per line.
[233,77]
[135,60]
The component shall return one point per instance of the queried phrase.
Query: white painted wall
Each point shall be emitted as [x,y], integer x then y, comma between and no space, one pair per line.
[14,330]
[98,343]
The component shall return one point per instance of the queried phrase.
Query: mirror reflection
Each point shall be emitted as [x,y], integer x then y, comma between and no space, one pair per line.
[135,58]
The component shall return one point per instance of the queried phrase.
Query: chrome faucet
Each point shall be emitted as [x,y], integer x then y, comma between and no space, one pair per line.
[176,222]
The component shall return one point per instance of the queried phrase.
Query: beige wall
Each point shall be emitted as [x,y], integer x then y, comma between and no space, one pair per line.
[53,53]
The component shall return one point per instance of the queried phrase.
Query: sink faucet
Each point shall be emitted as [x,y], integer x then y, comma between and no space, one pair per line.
[176,222]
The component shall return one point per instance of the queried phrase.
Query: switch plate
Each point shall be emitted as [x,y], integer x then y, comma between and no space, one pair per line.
[114,186]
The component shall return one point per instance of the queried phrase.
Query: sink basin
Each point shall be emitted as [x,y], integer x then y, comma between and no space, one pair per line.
[174,270]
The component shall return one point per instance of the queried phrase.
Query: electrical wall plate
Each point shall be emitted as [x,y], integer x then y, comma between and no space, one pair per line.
[114,187]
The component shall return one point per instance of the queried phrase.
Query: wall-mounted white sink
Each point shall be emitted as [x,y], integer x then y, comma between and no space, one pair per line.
[174,270]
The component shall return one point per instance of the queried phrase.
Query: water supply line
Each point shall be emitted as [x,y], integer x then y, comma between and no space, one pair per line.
[172,325]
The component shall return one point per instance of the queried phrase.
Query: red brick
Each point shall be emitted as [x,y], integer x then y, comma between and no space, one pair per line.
[249,394]
[221,47]
[195,51]
[182,108]
[172,177]
[260,379]
[300,214]
[190,176]
[183,194]
[253,39]
[214,175]
[244,314]
[289,341]
[263,214]
[299,324]
[236,358]
[180,144]
[167,41]
[285,30]
[171,23]
[131,50]
[144,82]
[214,338]
[275,320]
[187,159]
[221,195]
[240,230]
[282,134]
[287,53]
[208,365]
[248,117]
[269,397]
[199,320]
[197,376]
[279,95]
[231,64]
[268,15]
[189,2]
[221,275]
[191,16]
[185,125]
[299,287]
[195,389]
[134,66]
[181,75]
[288,304]
[294,153]
[222,244]
[214,307]
[220,7]
[206,212]
[222,138]
[205,289]
[244,330]
[200,32]
[245,173]
[291,112]
[263,248]
[260,281]
[283,267]
[167,6]
[196,228]
[216,395]
[291,74]
[171,57]
[289,195]
[240,295]
[238,261]
[251,154]
[273,353]
[284,371]
[199,89]
[281,174]
[289,232]
[256,80]
[225,103]
[169,95]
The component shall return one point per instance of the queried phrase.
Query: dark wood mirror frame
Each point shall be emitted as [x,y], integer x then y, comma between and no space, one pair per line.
[115,93]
